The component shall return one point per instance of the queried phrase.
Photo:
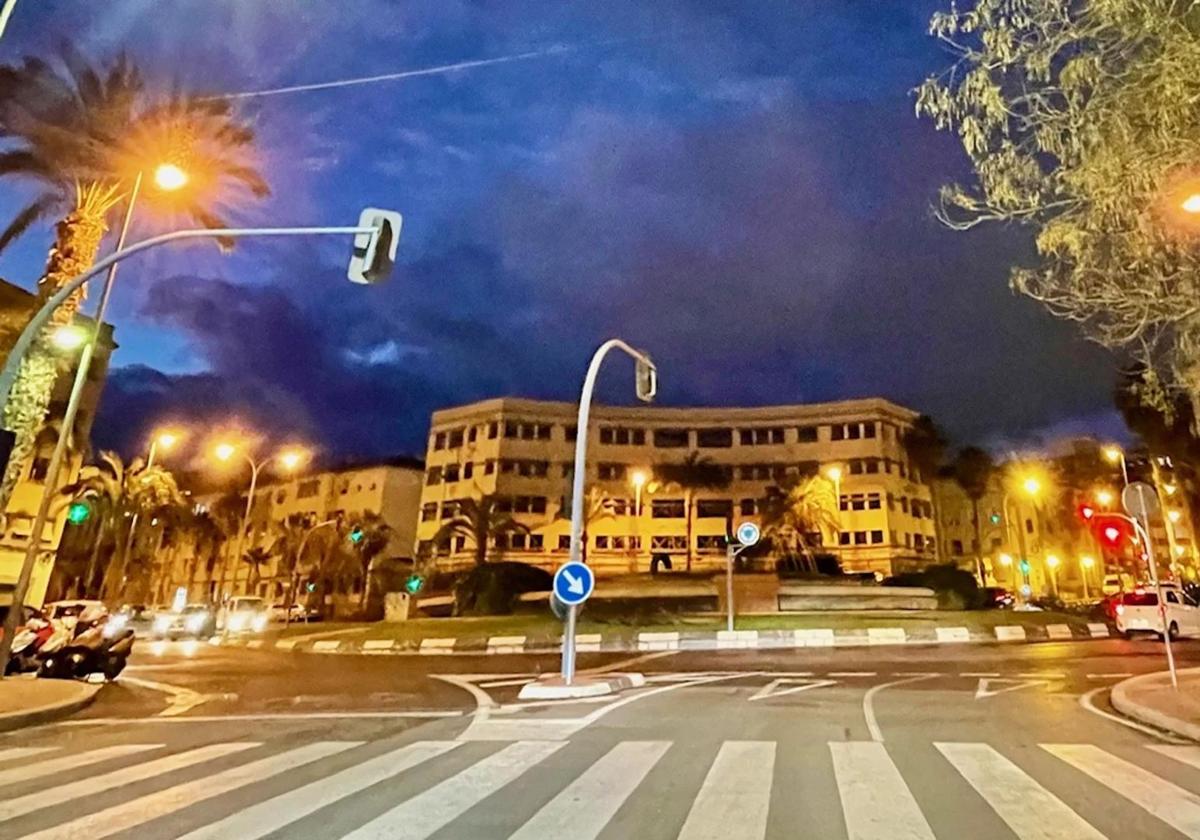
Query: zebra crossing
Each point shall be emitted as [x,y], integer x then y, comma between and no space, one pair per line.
[243,790]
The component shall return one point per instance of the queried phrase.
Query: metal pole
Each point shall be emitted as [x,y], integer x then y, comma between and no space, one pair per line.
[1143,530]
[241,537]
[1124,469]
[1084,575]
[577,487]
[295,570]
[730,553]
[5,14]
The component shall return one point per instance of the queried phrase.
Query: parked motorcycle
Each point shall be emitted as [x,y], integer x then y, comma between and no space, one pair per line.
[97,652]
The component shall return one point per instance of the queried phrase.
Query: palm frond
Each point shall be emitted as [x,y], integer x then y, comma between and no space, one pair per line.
[38,209]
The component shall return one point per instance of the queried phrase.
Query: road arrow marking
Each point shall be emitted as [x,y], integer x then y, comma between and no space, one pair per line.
[774,689]
[574,584]
[985,690]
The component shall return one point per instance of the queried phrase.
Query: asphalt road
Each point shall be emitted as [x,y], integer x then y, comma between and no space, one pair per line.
[972,741]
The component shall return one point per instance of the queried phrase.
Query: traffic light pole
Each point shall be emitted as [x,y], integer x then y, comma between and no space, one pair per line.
[30,334]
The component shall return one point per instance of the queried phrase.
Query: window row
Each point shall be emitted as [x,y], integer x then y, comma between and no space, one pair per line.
[861,501]
[860,538]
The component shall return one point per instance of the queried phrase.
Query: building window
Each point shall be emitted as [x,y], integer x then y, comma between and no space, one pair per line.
[493,430]
[571,432]
[622,436]
[872,465]
[714,438]
[472,433]
[568,469]
[429,511]
[668,543]
[439,440]
[877,538]
[543,431]
[918,541]
[611,472]
[710,542]
[807,469]
[956,546]
[308,489]
[904,504]
[536,542]
[667,509]
[433,476]
[512,429]
[468,471]
[1028,526]
[860,537]
[837,432]
[564,542]
[454,439]
[449,473]
[450,509]
[39,468]
[518,540]
[760,437]
[601,542]
[714,508]
[489,467]
[806,434]
[869,430]
[748,507]
[670,438]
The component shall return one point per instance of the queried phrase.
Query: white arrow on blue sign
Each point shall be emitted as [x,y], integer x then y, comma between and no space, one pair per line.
[573,583]
[747,534]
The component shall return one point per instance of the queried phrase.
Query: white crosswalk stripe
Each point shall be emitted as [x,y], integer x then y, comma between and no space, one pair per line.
[1170,803]
[141,810]
[587,804]
[734,799]
[38,769]
[10,808]
[285,809]
[876,802]
[1031,811]
[733,802]
[426,812]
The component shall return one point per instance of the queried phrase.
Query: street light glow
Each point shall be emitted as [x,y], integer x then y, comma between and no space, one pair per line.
[1052,561]
[224,451]
[638,478]
[1112,453]
[1191,204]
[1169,489]
[1174,515]
[169,177]
[167,439]
[834,473]
[1104,497]
[1087,562]
[1032,486]
[292,458]
[1005,559]
[69,337]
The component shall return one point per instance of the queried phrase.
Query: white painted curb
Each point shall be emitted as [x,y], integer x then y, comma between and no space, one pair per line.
[1058,631]
[326,645]
[1147,714]
[1098,629]
[952,634]
[438,646]
[586,642]
[1010,633]
[378,645]
[552,688]
[506,644]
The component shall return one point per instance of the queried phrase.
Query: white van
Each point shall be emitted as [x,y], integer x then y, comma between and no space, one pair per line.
[1138,612]
[243,613]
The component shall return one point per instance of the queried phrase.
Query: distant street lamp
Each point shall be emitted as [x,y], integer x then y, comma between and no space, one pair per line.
[1117,455]
[1086,562]
[69,337]
[638,479]
[1052,562]
[169,177]
[1104,498]
[1191,204]
[289,459]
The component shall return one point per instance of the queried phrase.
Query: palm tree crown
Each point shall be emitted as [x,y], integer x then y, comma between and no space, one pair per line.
[479,521]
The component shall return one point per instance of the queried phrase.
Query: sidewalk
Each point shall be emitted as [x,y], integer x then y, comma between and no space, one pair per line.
[1150,699]
[26,701]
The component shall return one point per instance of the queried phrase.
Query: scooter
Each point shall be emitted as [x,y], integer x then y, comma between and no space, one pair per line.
[30,642]
[94,654]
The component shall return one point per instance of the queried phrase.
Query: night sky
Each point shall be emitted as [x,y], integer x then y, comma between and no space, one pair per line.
[741,188]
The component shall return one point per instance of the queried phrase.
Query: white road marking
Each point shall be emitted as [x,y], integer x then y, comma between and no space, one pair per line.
[1118,675]
[869,702]
[430,810]
[279,811]
[1172,804]
[853,674]
[1031,811]
[15,753]
[876,803]
[793,685]
[1186,754]
[503,683]
[181,699]
[1041,675]
[984,689]
[46,797]
[278,716]
[979,674]
[584,807]
[1085,700]
[143,809]
[734,800]
[35,770]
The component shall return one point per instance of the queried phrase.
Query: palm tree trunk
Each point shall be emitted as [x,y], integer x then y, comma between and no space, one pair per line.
[978,543]
[76,243]
[93,561]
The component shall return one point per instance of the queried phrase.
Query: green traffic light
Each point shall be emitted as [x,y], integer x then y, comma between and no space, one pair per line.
[413,584]
[356,535]
[78,513]
[995,519]
[1025,567]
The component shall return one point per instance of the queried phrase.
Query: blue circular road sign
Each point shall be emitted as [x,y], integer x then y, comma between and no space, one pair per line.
[747,533]
[573,583]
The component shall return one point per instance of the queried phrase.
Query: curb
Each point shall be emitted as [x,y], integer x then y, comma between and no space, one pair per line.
[552,688]
[1129,707]
[684,640]
[48,712]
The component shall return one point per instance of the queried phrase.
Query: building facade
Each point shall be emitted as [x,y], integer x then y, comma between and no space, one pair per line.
[522,452]
[391,489]
[17,306]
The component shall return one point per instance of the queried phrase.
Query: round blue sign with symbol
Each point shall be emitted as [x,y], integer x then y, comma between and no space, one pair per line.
[747,533]
[573,583]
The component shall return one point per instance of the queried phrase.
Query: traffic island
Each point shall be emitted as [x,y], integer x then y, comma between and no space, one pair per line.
[27,701]
[1149,698]
[554,687]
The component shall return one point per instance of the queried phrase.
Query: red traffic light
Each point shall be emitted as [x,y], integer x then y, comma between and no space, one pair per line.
[1111,534]
[1087,511]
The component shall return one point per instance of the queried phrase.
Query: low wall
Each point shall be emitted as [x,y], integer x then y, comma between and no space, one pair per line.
[793,597]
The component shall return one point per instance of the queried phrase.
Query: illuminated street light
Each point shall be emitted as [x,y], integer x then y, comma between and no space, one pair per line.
[1006,560]
[292,458]
[834,474]
[1032,486]
[1116,455]
[1174,515]
[1191,204]
[69,337]
[224,451]
[1052,561]
[1104,497]
[1087,562]
[169,177]
[1169,489]
[165,440]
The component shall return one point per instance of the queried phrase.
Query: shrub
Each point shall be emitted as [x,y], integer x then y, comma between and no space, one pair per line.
[956,588]
[493,588]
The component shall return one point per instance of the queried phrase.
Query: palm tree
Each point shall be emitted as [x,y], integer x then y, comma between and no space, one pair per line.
[255,558]
[798,507]
[926,448]
[226,514]
[695,472]
[82,134]
[480,521]
[374,534]
[973,469]
[598,505]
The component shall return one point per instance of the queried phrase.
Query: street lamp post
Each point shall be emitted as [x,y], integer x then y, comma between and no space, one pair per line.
[834,474]
[29,334]
[1052,562]
[1086,563]
[638,478]
[647,380]
[1022,557]
[1116,454]
[287,620]
[166,440]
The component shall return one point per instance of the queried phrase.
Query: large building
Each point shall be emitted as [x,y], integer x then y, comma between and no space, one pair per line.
[391,489]
[17,306]
[522,451]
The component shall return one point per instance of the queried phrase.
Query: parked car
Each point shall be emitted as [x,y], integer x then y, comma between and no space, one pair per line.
[194,621]
[1138,612]
[243,614]
[282,612]
[997,598]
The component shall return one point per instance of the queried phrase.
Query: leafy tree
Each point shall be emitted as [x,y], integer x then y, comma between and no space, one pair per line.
[81,134]
[973,470]
[694,473]
[1079,121]
[256,558]
[376,534]
[480,521]
[925,446]
[798,507]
